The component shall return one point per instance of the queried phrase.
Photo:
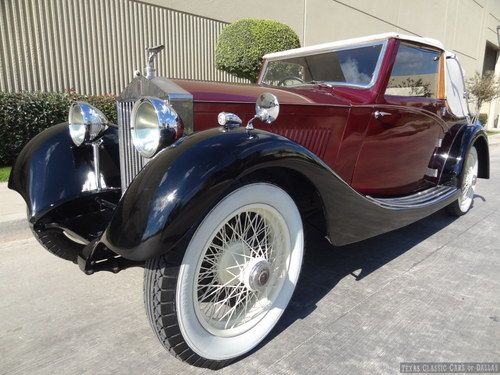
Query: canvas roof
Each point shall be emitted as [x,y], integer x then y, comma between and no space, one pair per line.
[325,47]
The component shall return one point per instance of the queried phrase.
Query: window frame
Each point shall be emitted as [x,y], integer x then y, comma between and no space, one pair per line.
[440,82]
[376,71]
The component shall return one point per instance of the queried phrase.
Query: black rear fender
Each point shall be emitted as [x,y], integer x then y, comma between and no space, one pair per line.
[466,137]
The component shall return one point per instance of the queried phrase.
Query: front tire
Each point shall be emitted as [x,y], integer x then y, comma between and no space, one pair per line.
[56,243]
[218,298]
[468,181]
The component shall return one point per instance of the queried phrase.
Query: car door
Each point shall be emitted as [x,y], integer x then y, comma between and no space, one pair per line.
[405,127]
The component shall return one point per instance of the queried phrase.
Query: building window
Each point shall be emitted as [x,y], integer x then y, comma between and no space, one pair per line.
[490,58]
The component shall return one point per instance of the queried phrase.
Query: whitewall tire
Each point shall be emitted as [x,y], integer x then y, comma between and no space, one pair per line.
[231,284]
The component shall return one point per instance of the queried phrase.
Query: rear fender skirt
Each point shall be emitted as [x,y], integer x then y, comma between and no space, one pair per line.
[177,188]
[466,137]
[51,171]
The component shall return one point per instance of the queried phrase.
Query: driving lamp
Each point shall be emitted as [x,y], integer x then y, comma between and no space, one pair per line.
[86,123]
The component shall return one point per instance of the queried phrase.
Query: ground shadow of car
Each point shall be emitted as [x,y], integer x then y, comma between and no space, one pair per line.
[324,265]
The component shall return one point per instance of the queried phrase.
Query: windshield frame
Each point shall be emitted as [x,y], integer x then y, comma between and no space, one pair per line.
[375,75]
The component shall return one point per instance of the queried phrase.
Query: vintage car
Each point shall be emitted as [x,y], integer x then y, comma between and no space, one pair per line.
[195,184]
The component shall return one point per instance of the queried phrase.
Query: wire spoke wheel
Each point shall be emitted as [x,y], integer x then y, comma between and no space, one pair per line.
[469,180]
[231,284]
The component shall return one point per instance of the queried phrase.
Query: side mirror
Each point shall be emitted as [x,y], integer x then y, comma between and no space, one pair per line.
[267,109]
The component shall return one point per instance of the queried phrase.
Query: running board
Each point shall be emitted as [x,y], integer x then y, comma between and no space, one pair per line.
[423,198]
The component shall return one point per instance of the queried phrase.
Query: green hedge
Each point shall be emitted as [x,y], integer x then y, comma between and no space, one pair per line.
[242,44]
[23,115]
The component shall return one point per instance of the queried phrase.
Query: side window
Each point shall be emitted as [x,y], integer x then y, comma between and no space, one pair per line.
[415,73]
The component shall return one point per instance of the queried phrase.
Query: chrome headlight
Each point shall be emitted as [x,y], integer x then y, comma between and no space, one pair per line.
[86,122]
[154,125]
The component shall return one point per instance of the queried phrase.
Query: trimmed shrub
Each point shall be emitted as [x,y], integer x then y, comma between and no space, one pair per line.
[483,118]
[23,115]
[242,44]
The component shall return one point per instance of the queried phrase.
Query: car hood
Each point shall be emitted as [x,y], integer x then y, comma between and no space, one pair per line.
[247,93]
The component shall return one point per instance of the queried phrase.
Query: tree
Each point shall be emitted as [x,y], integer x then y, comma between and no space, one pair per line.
[242,44]
[483,88]
[415,87]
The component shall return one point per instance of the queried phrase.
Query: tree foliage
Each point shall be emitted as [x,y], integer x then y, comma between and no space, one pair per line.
[483,88]
[242,44]
[483,118]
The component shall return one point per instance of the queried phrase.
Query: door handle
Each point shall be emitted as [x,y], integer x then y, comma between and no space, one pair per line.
[380,114]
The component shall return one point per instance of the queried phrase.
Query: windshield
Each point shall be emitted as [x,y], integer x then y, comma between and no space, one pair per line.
[354,66]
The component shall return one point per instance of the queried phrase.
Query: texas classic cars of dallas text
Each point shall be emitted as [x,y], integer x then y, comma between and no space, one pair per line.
[208,186]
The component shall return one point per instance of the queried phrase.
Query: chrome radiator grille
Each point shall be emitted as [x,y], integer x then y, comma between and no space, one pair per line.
[131,162]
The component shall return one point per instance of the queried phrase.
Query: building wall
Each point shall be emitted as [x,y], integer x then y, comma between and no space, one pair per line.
[94,46]
[47,45]
[464,26]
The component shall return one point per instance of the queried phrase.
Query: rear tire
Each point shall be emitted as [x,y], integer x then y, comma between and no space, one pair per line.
[468,179]
[219,297]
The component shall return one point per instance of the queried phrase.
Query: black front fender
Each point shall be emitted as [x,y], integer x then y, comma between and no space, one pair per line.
[177,188]
[50,170]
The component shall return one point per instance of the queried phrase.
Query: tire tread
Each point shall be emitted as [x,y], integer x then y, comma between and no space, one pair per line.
[160,276]
[57,244]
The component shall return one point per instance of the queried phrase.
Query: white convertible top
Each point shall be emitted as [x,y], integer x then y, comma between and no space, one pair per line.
[454,86]
[325,47]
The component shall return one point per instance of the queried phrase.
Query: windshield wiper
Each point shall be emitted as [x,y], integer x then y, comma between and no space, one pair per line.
[320,83]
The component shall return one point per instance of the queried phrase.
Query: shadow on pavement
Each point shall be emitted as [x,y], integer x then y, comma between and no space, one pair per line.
[324,265]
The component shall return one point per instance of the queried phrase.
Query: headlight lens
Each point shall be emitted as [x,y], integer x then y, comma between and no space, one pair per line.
[154,125]
[86,123]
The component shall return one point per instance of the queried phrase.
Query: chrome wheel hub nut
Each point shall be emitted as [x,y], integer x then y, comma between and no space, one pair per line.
[256,274]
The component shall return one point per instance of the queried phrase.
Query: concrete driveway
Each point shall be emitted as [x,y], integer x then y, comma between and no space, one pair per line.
[427,292]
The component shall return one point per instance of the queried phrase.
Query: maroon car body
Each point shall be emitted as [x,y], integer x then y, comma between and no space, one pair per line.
[387,157]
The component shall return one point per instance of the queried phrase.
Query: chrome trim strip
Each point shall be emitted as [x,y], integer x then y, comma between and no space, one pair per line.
[431,172]
[418,200]
[97,163]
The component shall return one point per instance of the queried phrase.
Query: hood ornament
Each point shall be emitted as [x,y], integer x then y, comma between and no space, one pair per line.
[150,66]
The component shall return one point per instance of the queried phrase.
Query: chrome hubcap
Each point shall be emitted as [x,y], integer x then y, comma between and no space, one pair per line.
[256,274]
